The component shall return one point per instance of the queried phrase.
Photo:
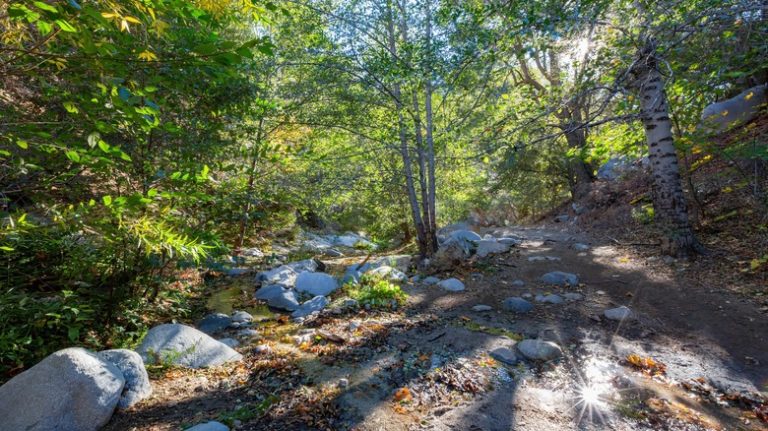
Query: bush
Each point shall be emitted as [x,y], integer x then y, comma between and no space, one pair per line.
[376,292]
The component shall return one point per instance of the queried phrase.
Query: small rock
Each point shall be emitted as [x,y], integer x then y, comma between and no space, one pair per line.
[185,346]
[481,308]
[431,280]
[517,305]
[214,323]
[262,349]
[543,258]
[350,303]
[242,317]
[231,342]
[504,355]
[509,241]
[580,247]
[560,278]
[452,285]
[389,273]
[527,295]
[572,296]
[209,426]
[618,313]
[343,383]
[353,326]
[486,247]
[314,305]
[539,350]
[550,299]
[518,283]
[562,218]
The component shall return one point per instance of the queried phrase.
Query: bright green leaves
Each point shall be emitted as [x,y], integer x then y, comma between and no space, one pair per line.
[73,155]
[65,26]
[45,7]
[22,144]
[71,107]
[107,199]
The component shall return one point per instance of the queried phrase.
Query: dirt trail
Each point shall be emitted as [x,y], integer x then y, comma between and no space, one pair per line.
[437,348]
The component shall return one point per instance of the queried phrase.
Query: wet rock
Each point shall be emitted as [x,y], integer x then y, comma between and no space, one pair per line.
[214,323]
[72,389]
[316,283]
[481,308]
[452,285]
[137,386]
[241,317]
[185,346]
[486,247]
[550,299]
[314,305]
[231,342]
[431,280]
[504,355]
[560,278]
[209,426]
[618,313]
[517,305]
[278,296]
[539,350]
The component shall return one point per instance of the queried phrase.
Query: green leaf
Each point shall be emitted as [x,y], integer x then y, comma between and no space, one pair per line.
[73,333]
[6,248]
[22,144]
[73,155]
[104,146]
[93,139]
[125,156]
[152,193]
[107,199]
[205,49]
[46,7]
[65,26]
[71,107]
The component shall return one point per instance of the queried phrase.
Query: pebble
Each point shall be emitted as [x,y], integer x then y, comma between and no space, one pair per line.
[550,299]
[572,296]
[517,305]
[504,355]
[518,283]
[262,349]
[343,383]
[580,246]
[539,350]
[452,285]
[560,278]
[247,333]
[543,258]
[619,313]
[241,317]
[481,308]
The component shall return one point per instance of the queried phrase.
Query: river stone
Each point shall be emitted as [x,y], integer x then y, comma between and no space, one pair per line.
[242,317]
[480,308]
[214,323]
[209,426]
[429,281]
[571,296]
[739,109]
[504,355]
[517,305]
[560,278]
[312,306]
[618,313]
[580,247]
[278,296]
[543,258]
[518,283]
[486,247]
[550,299]
[186,346]
[353,273]
[284,275]
[539,350]
[388,273]
[231,342]
[316,283]
[509,241]
[72,389]
[247,333]
[303,265]
[137,386]
[466,235]
[452,285]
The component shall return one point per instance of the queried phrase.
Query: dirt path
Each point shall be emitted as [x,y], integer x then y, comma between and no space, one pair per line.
[427,365]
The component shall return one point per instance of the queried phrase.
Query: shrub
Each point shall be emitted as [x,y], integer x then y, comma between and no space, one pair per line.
[376,292]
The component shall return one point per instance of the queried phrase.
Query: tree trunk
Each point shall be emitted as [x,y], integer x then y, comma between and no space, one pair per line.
[249,189]
[404,151]
[671,211]
[432,219]
[579,172]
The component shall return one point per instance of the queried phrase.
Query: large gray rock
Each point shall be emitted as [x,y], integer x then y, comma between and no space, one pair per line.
[509,241]
[490,246]
[353,273]
[284,275]
[316,283]
[560,278]
[209,426]
[214,323]
[241,317]
[467,235]
[278,296]
[303,265]
[430,280]
[517,305]
[70,390]
[314,305]
[452,285]
[504,355]
[186,346]
[740,109]
[399,261]
[539,350]
[452,252]
[137,386]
